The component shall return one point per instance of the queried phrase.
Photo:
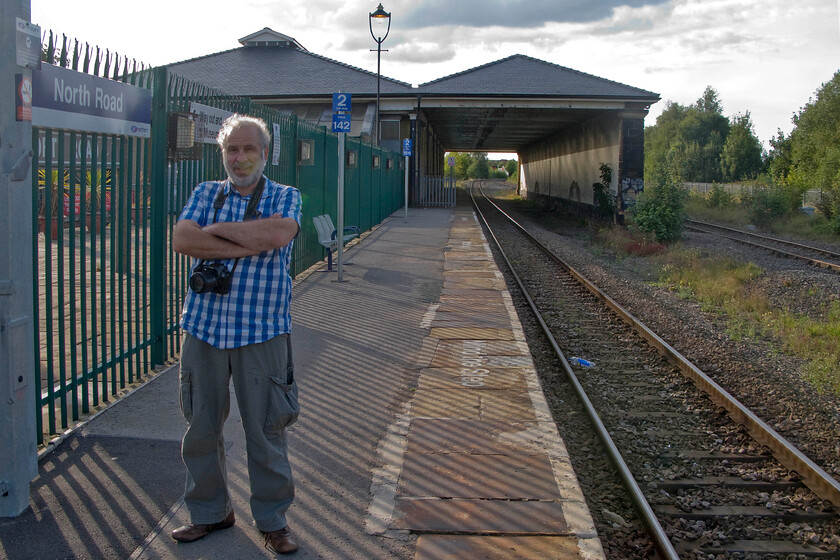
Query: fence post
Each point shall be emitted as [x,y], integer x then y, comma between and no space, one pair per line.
[158,228]
[18,459]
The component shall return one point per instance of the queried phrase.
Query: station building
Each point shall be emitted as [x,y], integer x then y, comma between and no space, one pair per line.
[562,123]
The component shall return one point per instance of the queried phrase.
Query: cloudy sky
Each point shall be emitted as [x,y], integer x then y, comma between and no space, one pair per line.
[767,57]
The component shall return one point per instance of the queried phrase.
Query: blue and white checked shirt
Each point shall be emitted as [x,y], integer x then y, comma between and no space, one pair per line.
[258,305]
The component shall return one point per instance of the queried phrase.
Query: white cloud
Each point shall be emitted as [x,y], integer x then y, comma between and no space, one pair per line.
[763,56]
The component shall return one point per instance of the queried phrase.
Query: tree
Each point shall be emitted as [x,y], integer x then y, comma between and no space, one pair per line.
[480,167]
[709,101]
[779,159]
[462,165]
[815,147]
[511,167]
[686,142]
[741,155]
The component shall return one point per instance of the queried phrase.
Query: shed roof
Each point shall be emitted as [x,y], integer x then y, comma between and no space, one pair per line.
[521,75]
[277,71]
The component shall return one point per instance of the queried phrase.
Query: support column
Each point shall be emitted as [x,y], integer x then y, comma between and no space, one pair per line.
[18,452]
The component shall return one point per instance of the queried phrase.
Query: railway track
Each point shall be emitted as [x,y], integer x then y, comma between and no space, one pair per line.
[706,476]
[812,255]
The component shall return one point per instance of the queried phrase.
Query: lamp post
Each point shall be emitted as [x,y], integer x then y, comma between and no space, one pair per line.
[382,20]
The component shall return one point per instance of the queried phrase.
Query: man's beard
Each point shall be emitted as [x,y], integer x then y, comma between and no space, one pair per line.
[249,179]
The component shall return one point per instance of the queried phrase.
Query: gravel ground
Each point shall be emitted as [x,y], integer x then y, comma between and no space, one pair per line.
[755,372]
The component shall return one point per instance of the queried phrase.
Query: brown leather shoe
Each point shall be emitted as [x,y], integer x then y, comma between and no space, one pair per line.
[193,531]
[280,542]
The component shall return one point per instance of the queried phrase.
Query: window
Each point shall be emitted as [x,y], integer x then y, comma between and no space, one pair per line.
[306,152]
[375,162]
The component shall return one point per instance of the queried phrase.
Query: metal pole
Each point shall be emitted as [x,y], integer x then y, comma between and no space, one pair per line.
[378,78]
[18,238]
[340,218]
[406,188]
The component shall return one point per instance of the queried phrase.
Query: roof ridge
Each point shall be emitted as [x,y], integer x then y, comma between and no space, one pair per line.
[582,73]
[302,51]
[200,57]
[534,59]
[394,80]
[468,70]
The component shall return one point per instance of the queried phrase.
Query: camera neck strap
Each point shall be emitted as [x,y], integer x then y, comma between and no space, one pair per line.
[250,210]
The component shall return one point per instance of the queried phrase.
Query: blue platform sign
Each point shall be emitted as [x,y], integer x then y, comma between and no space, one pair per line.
[406,146]
[64,98]
[341,122]
[341,102]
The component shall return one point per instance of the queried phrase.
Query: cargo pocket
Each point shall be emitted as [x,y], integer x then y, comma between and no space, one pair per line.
[186,395]
[283,407]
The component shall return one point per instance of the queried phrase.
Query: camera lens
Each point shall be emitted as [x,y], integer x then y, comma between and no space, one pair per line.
[198,283]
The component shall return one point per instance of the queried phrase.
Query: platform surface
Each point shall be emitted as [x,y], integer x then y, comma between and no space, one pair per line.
[423,433]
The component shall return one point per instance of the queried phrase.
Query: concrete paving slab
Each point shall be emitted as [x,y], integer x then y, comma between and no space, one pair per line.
[493,437]
[476,379]
[489,477]
[485,347]
[457,547]
[468,333]
[485,517]
[506,405]
[446,404]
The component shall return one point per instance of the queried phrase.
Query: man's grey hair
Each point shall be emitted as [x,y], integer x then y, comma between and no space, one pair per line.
[237,121]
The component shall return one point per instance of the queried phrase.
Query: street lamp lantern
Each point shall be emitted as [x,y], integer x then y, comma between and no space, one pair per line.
[382,20]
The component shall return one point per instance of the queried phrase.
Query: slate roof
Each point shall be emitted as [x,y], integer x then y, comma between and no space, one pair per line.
[283,72]
[277,72]
[521,75]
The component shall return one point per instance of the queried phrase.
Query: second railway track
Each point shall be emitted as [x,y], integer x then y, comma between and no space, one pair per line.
[713,490]
[816,256]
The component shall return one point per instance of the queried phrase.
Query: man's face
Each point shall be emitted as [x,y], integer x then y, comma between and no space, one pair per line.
[244,158]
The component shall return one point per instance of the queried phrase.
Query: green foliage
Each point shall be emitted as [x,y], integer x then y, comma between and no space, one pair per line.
[511,166]
[601,192]
[462,165]
[698,144]
[719,197]
[741,157]
[814,147]
[779,160]
[660,210]
[479,167]
[766,205]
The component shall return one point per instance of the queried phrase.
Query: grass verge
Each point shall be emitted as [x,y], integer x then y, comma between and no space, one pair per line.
[724,286]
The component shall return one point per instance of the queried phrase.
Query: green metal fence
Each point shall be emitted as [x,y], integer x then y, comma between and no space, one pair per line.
[110,289]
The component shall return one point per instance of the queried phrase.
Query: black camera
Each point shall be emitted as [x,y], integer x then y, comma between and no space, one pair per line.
[211,277]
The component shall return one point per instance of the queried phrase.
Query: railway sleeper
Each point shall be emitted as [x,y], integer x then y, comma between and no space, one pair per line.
[729,482]
[756,547]
[713,512]
[706,456]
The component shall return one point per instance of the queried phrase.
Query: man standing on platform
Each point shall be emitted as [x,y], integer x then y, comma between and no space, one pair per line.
[237,325]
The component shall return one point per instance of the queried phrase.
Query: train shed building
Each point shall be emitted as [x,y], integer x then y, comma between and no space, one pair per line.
[562,123]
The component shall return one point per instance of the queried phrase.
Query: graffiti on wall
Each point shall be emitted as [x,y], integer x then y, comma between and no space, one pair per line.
[630,189]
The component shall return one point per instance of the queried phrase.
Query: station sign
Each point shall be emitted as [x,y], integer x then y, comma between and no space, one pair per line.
[64,98]
[208,122]
[407,147]
[342,102]
[340,122]
[27,44]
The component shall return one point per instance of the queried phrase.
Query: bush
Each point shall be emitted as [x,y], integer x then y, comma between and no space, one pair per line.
[719,197]
[767,205]
[601,192]
[661,211]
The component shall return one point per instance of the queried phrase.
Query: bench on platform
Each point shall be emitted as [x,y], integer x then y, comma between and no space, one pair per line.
[327,235]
